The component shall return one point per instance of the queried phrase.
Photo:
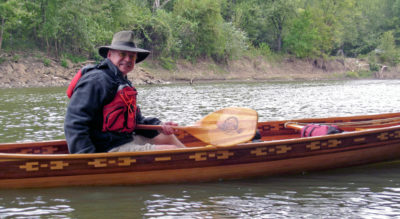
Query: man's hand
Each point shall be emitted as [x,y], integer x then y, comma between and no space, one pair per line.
[168,128]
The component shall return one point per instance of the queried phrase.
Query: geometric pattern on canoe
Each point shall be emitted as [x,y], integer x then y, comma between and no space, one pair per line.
[202,156]
[358,140]
[160,159]
[272,127]
[52,165]
[386,135]
[282,149]
[316,145]
[42,150]
[262,151]
[197,156]
[104,162]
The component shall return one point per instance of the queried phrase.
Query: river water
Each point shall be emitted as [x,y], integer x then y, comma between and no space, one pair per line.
[373,191]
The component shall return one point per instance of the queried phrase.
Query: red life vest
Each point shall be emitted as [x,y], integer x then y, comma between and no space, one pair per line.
[120,114]
[318,130]
[73,83]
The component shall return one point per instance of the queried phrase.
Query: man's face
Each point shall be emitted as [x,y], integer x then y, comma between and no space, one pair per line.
[124,60]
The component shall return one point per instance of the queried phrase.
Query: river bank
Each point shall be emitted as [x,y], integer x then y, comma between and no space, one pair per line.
[37,70]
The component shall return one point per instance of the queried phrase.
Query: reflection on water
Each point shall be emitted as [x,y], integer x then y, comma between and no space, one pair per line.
[360,192]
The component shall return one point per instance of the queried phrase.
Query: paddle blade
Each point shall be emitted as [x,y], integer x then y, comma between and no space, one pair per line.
[226,127]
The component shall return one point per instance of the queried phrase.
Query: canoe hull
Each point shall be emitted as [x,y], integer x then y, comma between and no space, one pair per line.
[215,173]
[46,164]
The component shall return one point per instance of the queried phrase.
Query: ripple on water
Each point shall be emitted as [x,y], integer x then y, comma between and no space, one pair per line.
[365,192]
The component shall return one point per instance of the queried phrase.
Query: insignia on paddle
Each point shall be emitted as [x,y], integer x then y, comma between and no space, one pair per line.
[230,126]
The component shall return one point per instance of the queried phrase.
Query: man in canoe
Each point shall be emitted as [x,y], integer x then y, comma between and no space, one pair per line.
[102,113]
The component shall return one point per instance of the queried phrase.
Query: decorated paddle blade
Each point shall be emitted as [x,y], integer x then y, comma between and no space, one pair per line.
[226,127]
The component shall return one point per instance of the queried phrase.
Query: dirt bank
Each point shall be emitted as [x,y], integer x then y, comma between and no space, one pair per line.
[27,70]
[35,70]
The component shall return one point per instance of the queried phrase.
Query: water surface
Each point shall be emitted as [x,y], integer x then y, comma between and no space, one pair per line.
[373,191]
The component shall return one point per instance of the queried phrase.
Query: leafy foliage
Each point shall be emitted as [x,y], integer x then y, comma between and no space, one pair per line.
[303,37]
[387,51]
[217,29]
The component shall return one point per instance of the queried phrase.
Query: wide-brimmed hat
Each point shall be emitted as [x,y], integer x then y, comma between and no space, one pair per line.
[123,40]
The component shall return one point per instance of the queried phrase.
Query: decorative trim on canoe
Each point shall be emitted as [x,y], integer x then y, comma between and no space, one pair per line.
[126,161]
[202,156]
[52,165]
[386,135]
[263,151]
[283,149]
[157,159]
[259,151]
[29,167]
[41,150]
[273,127]
[316,145]
[104,162]
[358,140]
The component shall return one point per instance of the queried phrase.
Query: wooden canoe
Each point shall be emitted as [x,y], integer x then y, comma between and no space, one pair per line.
[368,139]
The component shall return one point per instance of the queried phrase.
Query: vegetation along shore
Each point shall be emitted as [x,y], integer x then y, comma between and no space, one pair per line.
[44,43]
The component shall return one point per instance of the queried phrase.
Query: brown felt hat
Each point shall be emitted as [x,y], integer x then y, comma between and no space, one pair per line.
[123,40]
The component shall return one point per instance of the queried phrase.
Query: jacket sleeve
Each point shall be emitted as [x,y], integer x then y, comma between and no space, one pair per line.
[140,119]
[84,111]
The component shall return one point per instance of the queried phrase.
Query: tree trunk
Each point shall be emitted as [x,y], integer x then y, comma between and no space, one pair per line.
[279,42]
[156,5]
[2,31]
[56,49]
[278,24]
[48,46]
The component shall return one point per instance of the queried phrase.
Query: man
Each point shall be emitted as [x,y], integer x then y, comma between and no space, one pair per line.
[102,113]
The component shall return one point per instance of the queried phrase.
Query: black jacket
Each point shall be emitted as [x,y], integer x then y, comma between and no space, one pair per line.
[84,118]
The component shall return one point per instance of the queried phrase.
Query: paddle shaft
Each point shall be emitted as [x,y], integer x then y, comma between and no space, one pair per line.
[293,126]
[157,127]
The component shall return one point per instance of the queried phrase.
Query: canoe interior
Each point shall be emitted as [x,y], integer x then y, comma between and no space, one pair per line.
[270,131]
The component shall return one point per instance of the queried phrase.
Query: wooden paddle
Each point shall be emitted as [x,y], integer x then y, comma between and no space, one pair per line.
[295,126]
[225,127]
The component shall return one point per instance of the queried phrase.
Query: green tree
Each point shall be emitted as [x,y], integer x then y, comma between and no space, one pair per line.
[191,29]
[361,27]
[387,50]
[302,38]
[279,13]
[8,16]
[250,17]
[154,32]
[207,17]
[265,21]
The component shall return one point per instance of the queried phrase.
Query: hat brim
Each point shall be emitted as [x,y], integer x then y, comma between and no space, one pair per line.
[141,53]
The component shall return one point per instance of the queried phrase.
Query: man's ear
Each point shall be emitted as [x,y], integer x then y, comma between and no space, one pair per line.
[109,53]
